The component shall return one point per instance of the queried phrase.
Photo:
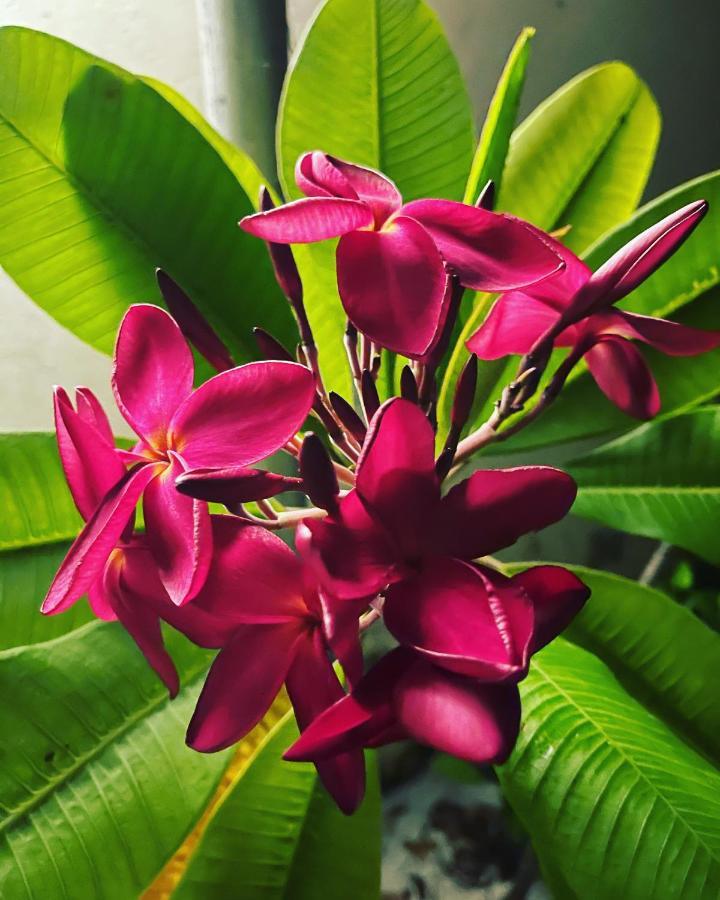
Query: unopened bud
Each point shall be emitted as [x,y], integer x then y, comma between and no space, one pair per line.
[464,394]
[283,261]
[193,324]
[486,197]
[318,474]
[408,385]
[351,421]
[444,462]
[370,398]
[270,347]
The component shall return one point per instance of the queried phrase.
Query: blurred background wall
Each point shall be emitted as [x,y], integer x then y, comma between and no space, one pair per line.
[672,43]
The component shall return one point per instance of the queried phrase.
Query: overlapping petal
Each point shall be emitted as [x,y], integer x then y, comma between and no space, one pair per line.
[152,371]
[513,325]
[667,337]
[392,285]
[309,220]
[487,251]
[242,415]
[90,410]
[557,596]
[624,377]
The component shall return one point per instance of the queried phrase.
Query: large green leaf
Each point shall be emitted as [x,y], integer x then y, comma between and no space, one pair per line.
[398,104]
[582,158]
[103,178]
[97,787]
[612,794]
[278,836]
[661,480]
[489,160]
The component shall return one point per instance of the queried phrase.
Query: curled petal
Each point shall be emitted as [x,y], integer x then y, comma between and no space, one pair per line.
[667,337]
[317,176]
[487,251]
[396,476]
[90,463]
[463,620]
[89,552]
[243,415]
[90,410]
[241,685]
[152,371]
[313,686]
[513,325]
[236,484]
[557,597]
[457,715]
[624,377]
[392,284]
[178,534]
[494,507]
[638,259]
[100,603]
[306,221]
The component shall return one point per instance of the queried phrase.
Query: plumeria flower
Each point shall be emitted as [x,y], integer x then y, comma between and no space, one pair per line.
[393,259]
[395,533]
[280,628]
[576,309]
[222,424]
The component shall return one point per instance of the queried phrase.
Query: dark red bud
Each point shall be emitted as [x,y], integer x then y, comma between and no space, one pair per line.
[444,462]
[270,347]
[283,261]
[318,474]
[349,418]
[408,385]
[370,398]
[194,326]
[464,394]
[486,197]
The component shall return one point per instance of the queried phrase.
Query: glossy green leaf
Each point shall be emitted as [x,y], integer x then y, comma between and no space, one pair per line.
[489,160]
[661,480]
[611,793]
[397,104]
[105,177]
[278,836]
[583,156]
[24,579]
[97,787]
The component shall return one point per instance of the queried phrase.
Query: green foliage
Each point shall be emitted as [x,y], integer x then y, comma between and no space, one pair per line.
[398,105]
[97,787]
[615,773]
[661,480]
[105,177]
[279,828]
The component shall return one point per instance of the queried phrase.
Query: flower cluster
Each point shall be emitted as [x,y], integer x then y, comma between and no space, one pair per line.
[383,539]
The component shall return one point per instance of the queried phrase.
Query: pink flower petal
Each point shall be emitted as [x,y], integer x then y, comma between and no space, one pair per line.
[557,597]
[242,684]
[140,621]
[307,221]
[487,251]
[638,259]
[317,176]
[624,377]
[350,553]
[178,534]
[90,411]
[461,716]
[493,508]
[463,620]
[340,625]
[513,325]
[91,465]
[667,337]
[100,603]
[152,371]
[313,686]
[236,484]
[87,556]
[241,416]
[396,476]
[392,285]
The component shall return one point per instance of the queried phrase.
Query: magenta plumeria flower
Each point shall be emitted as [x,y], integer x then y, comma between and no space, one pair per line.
[575,309]
[393,259]
[224,423]
[280,628]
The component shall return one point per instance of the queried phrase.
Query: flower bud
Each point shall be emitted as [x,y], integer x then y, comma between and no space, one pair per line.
[283,261]
[270,347]
[486,197]
[408,385]
[370,398]
[318,474]
[464,394]
[351,421]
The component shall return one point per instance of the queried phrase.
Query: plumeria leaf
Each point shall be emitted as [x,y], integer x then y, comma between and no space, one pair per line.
[401,107]
[277,827]
[80,720]
[106,176]
[489,160]
[615,773]
[661,480]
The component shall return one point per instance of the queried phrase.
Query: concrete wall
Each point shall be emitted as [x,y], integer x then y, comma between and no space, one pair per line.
[673,44]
